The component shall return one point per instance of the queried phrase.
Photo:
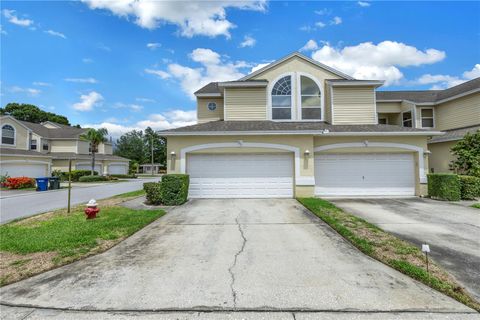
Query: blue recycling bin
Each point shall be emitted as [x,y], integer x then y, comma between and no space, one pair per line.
[42,184]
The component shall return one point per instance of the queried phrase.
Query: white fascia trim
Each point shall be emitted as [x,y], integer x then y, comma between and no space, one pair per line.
[420,152]
[240,144]
[301,56]
[208,95]
[315,133]
[355,83]
[242,84]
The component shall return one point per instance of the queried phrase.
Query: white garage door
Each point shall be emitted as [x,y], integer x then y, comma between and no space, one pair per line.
[85,166]
[117,169]
[364,174]
[31,170]
[240,175]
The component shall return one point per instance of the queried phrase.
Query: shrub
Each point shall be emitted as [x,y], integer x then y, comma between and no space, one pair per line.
[19,183]
[76,174]
[124,176]
[469,187]
[174,190]
[467,155]
[92,178]
[444,186]
[3,180]
[152,192]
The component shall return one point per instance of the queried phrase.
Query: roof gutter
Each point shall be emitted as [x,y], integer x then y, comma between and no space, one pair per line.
[309,132]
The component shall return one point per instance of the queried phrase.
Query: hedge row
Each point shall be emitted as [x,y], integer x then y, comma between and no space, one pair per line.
[76,174]
[92,178]
[171,191]
[452,187]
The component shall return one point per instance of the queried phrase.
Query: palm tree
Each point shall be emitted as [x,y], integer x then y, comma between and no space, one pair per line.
[95,137]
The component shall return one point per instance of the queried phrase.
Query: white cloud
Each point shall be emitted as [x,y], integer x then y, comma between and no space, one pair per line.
[212,68]
[12,18]
[159,73]
[81,80]
[56,34]
[310,45]
[132,107]
[42,84]
[29,91]
[88,101]
[104,47]
[323,12]
[320,24]
[87,60]
[153,45]
[376,61]
[259,66]
[443,81]
[363,4]
[207,18]
[159,121]
[472,74]
[247,42]
[2,31]
[145,100]
[336,21]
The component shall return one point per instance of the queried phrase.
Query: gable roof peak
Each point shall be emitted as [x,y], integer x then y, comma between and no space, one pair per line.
[301,56]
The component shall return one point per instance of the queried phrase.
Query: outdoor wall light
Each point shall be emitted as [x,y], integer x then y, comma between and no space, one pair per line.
[307,153]
[173,156]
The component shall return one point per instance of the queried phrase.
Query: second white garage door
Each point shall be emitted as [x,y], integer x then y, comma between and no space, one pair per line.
[364,174]
[240,175]
[86,166]
[118,169]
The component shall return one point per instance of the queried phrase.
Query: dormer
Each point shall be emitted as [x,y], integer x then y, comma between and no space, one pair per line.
[295,88]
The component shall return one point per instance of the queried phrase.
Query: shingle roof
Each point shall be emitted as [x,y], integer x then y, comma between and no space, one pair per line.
[98,156]
[454,134]
[272,126]
[65,132]
[422,96]
[212,87]
[20,152]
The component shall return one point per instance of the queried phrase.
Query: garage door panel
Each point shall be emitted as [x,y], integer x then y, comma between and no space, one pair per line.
[240,176]
[117,169]
[31,170]
[98,167]
[364,174]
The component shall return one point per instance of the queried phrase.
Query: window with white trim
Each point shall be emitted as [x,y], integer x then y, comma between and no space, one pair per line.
[45,146]
[33,144]
[282,99]
[8,134]
[311,99]
[407,119]
[427,117]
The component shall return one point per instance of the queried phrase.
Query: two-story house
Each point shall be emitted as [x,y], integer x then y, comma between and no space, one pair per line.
[297,128]
[34,150]
[454,111]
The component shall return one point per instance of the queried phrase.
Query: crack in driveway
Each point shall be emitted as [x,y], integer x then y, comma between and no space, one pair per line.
[230,270]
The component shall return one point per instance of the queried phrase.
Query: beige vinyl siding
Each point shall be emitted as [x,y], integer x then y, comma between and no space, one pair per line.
[108,149]
[328,104]
[354,105]
[22,135]
[440,156]
[294,66]
[204,114]
[64,146]
[83,147]
[389,107]
[245,104]
[458,113]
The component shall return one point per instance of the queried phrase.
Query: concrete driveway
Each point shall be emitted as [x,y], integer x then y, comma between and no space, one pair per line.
[451,230]
[268,258]
[28,204]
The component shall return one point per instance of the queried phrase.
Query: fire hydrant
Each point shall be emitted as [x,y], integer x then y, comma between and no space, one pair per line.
[91,210]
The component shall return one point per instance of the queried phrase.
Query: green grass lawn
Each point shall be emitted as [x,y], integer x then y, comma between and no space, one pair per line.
[36,244]
[388,249]
[476,205]
[72,234]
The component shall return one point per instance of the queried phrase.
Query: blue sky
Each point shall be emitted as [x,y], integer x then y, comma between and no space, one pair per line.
[134,64]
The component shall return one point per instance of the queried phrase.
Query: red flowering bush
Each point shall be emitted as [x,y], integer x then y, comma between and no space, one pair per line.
[19,183]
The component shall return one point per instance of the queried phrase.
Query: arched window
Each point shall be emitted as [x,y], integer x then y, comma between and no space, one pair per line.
[8,134]
[282,99]
[311,99]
